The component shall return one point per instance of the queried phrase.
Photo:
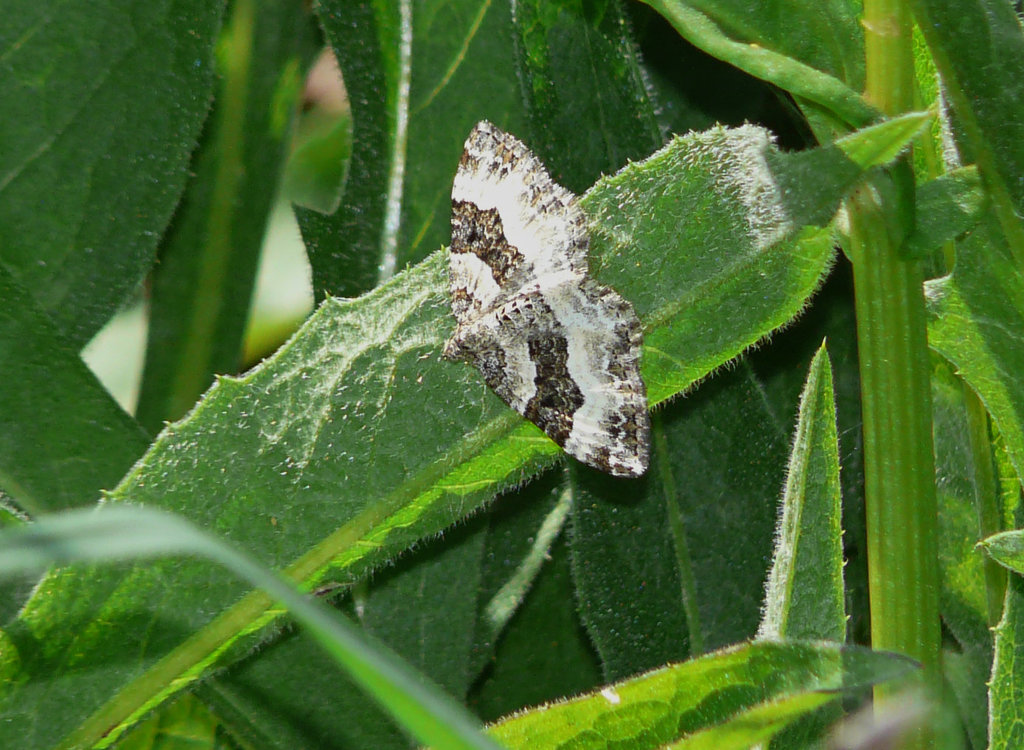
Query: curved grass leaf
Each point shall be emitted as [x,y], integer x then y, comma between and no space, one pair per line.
[102,106]
[773,50]
[675,702]
[115,533]
[314,460]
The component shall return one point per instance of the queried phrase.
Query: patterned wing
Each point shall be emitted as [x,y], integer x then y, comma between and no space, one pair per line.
[512,225]
[568,359]
[555,345]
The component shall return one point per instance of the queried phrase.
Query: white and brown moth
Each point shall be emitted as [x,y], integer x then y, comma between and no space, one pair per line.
[556,346]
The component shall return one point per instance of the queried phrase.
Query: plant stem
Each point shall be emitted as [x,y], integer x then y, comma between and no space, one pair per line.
[899,474]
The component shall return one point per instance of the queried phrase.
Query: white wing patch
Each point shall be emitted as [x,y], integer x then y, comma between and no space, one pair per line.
[558,347]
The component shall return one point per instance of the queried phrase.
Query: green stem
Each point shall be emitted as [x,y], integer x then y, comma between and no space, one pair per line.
[899,466]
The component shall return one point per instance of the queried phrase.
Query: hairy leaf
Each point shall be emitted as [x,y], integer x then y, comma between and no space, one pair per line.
[63,438]
[312,460]
[102,105]
[977,323]
[675,702]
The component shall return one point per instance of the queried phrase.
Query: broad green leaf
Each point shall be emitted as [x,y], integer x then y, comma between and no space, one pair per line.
[718,295]
[414,73]
[977,323]
[312,460]
[579,65]
[201,289]
[658,572]
[102,106]
[947,207]
[461,73]
[629,559]
[769,43]
[804,596]
[115,533]
[963,597]
[674,702]
[978,48]
[63,438]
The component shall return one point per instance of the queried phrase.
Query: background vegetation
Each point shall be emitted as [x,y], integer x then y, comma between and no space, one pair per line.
[833,344]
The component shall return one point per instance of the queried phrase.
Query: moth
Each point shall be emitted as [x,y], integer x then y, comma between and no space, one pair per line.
[554,344]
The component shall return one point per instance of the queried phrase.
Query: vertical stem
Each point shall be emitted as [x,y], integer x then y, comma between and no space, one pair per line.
[895,389]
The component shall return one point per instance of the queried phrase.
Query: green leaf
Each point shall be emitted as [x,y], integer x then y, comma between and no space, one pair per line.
[102,106]
[946,207]
[756,725]
[544,653]
[344,247]
[629,559]
[580,65]
[804,596]
[977,323]
[963,598]
[765,43]
[113,534]
[680,700]
[202,287]
[414,73]
[333,480]
[1006,712]
[185,724]
[978,48]
[1006,548]
[642,211]
[282,697]
[63,438]
[650,558]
